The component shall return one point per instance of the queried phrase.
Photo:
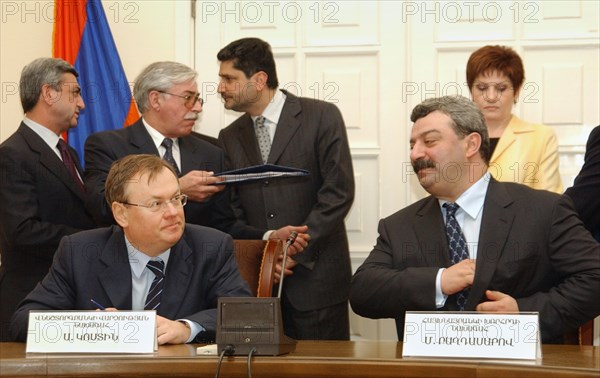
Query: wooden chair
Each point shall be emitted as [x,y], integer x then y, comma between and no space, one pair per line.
[584,335]
[256,260]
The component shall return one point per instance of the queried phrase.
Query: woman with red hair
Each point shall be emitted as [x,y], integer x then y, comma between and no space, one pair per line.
[520,151]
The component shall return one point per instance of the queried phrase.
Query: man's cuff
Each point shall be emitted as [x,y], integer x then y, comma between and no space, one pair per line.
[195,329]
[440,298]
[267,234]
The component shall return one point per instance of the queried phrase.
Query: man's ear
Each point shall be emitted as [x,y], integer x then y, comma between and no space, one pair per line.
[154,100]
[473,144]
[120,213]
[261,78]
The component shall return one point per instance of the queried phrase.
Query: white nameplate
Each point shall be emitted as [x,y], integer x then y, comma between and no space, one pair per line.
[472,335]
[91,332]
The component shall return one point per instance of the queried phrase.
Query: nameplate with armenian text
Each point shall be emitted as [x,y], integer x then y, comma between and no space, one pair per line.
[468,334]
[91,332]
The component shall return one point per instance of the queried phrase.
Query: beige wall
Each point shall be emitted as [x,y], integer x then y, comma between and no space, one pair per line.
[143,31]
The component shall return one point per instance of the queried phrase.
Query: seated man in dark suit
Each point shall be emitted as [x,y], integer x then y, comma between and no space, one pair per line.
[585,191]
[41,192]
[166,94]
[477,244]
[117,266]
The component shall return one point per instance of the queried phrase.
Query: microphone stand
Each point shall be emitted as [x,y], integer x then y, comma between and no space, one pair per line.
[290,240]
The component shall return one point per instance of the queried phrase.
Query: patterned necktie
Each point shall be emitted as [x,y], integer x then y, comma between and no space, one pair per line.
[263,137]
[153,298]
[69,163]
[457,245]
[168,156]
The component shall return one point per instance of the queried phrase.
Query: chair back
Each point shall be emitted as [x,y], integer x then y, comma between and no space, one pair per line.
[256,260]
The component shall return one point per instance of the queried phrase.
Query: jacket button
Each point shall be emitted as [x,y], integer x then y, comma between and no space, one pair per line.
[267,182]
[271,215]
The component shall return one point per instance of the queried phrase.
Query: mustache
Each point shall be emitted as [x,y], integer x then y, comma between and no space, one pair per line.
[191,116]
[422,164]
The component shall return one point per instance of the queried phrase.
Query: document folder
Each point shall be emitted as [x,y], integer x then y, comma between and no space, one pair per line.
[259,172]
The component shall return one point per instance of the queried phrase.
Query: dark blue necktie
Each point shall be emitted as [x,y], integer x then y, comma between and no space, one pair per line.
[457,245]
[153,298]
[167,143]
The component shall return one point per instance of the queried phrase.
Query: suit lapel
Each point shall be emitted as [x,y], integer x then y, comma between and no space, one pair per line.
[190,155]
[286,127]
[116,276]
[496,222]
[177,279]
[50,160]
[248,141]
[429,229]
[140,139]
[506,140]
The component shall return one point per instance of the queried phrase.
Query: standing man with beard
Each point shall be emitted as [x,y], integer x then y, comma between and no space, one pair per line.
[41,192]
[477,244]
[166,94]
[280,128]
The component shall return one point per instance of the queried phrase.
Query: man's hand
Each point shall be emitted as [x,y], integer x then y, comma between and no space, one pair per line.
[171,332]
[498,302]
[301,240]
[458,276]
[197,185]
[289,266]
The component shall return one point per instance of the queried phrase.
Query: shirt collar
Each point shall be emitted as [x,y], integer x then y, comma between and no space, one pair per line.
[471,201]
[156,136]
[138,260]
[273,111]
[45,133]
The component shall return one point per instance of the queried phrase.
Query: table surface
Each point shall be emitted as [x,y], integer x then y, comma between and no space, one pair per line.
[310,359]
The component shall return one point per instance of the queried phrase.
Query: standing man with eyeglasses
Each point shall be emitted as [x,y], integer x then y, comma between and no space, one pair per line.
[151,261]
[41,192]
[167,96]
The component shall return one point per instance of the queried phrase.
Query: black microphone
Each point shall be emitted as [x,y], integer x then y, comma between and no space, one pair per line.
[290,240]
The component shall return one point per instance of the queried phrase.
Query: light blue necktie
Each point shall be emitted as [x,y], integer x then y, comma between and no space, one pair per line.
[263,137]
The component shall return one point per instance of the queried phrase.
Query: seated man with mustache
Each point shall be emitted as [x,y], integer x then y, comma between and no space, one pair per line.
[475,243]
[166,93]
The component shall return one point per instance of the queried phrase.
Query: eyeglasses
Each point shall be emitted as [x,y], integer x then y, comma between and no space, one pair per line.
[189,100]
[177,201]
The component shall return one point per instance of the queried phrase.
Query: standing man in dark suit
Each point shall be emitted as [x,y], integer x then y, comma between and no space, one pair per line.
[41,193]
[526,250]
[117,266]
[585,191]
[302,133]
[166,94]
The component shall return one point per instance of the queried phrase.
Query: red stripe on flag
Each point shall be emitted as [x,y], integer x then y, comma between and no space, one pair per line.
[70,17]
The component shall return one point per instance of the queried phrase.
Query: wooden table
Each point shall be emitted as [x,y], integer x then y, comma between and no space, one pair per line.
[311,359]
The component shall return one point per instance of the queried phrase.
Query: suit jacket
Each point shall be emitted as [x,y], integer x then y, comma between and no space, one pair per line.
[95,264]
[40,204]
[310,135]
[532,246]
[102,149]
[528,154]
[585,191]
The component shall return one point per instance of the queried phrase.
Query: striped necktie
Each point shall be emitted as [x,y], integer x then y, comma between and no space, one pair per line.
[153,298]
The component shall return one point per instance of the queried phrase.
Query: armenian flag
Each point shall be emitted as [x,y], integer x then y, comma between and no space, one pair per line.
[82,37]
